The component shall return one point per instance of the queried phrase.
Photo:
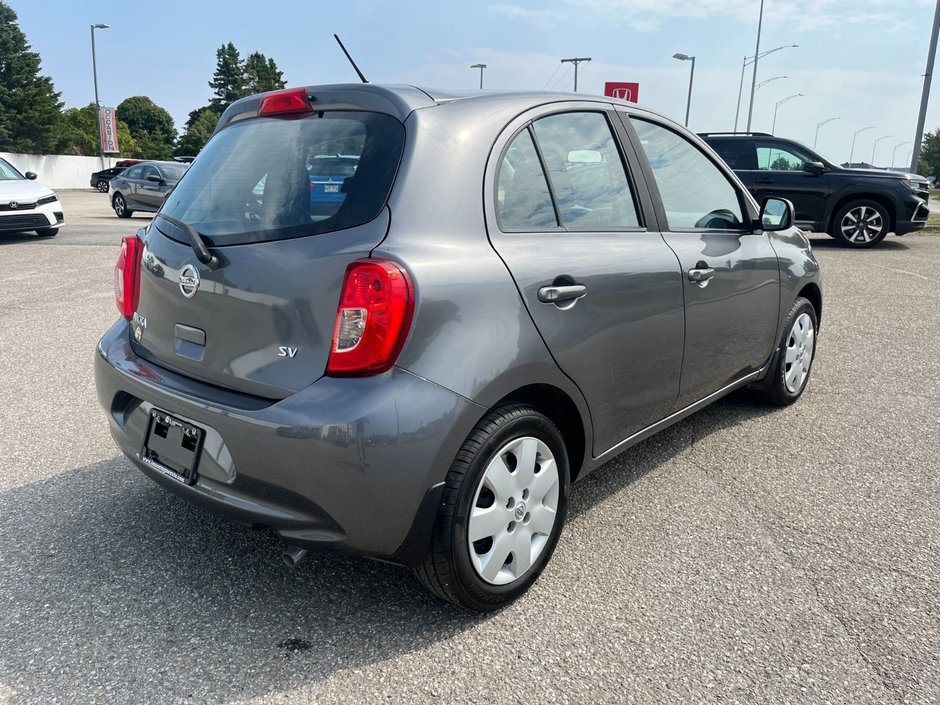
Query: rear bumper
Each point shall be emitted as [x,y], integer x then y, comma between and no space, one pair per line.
[354,465]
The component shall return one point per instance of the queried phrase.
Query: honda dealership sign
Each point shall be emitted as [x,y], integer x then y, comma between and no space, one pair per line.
[623,91]
[108,122]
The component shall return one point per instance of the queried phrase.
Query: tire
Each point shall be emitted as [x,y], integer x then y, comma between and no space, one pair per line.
[120,206]
[792,361]
[47,232]
[501,506]
[103,186]
[860,224]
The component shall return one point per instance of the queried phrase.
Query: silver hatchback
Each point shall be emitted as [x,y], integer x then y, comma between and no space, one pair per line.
[507,292]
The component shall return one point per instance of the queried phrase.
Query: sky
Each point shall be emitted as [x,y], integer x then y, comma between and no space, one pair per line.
[861,61]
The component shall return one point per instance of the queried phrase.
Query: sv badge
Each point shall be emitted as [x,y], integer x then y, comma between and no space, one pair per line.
[284,351]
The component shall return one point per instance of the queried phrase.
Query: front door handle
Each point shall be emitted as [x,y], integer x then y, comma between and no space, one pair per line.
[701,275]
[560,294]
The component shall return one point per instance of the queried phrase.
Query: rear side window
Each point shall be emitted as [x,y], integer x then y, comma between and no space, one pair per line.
[274,178]
[738,155]
[523,201]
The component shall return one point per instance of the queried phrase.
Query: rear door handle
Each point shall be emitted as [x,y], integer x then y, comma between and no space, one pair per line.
[559,294]
[701,275]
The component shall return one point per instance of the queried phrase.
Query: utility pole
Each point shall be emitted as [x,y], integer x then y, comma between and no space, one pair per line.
[925,96]
[481,67]
[577,60]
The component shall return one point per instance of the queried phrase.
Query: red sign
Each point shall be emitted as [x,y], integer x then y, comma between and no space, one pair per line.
[109,139]
[623,91]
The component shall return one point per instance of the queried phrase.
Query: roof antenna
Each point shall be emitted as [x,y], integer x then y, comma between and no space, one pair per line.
[340,42]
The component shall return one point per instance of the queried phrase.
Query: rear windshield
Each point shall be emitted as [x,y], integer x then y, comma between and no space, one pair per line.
[274,178]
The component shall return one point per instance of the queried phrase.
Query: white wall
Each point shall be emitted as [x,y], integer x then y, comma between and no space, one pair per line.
[58,170]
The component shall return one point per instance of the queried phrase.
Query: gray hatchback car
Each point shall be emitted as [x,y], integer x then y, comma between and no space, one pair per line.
[510,290]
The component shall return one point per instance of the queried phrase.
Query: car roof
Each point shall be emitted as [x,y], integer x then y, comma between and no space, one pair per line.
[401,100]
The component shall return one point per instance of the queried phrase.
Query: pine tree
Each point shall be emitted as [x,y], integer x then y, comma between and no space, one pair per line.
[228,81]
[197,134]
[30,108]
[262,74]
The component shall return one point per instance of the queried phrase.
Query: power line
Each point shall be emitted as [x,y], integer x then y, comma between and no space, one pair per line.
[561,78]
[554,73]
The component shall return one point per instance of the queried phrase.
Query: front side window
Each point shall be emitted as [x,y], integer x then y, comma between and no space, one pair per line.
[271,178]
[586,171]
[149,171]
[775,157]
[695,193]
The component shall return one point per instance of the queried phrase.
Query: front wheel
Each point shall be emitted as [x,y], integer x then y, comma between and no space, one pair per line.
[120,207]
[860,224]
[502,511]
[791,363]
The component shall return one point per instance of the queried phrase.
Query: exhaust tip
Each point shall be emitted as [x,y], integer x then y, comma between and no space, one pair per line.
[293,555]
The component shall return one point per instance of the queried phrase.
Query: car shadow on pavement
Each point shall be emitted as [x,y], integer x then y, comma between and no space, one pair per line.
[114,590]
[633,464]
[824,242]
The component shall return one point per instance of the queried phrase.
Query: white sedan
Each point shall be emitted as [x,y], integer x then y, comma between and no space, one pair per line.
[26,204]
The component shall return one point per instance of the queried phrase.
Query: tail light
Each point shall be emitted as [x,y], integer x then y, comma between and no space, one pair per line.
[373,318]
[127,275]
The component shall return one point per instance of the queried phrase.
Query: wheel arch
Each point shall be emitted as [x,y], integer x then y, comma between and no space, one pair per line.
[564,413]
[813,293]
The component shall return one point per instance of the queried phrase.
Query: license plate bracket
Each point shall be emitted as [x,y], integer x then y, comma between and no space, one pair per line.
[172,446]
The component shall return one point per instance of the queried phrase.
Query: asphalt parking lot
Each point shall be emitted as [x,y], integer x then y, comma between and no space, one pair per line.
[745,555]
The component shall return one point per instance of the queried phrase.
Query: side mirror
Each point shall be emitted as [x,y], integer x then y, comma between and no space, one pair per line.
[156,179]
[815,168]
[776,214]
[30,175]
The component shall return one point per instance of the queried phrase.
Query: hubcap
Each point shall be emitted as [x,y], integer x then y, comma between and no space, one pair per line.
[119,205]
[862,224]
[799,355]
[514,511]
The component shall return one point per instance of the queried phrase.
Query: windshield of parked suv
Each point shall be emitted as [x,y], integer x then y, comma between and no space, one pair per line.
[7,172]
[272,178]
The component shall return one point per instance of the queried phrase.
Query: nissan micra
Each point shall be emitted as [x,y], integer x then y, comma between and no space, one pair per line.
[507,292]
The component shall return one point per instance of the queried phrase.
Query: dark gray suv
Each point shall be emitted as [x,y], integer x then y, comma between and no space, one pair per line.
[507,292]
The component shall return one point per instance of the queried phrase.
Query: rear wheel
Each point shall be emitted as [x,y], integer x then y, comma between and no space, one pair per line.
[102,186]
[502,512]
[120,206]
[861,224]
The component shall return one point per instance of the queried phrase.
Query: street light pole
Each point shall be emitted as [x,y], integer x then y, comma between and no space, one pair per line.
[688,103]
[777,107]
[895,152]
[875,146]
[764,83]
[481,67]
[760,22]
[748,60]
[576,60]
[94,69]
[857,132]
[925,95]
[820,124]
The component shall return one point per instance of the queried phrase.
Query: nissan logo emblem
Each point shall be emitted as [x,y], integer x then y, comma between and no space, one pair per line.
[189,281]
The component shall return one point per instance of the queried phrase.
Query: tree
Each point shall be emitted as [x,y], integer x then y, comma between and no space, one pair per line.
[262,74]
[198,134]
[78,134]
[29,104]
[929,164]
[150,125]
[228,81]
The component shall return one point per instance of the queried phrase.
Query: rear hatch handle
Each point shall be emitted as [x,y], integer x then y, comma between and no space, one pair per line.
[195,239]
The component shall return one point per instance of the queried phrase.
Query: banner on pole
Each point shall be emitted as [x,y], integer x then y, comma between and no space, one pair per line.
[109,138]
